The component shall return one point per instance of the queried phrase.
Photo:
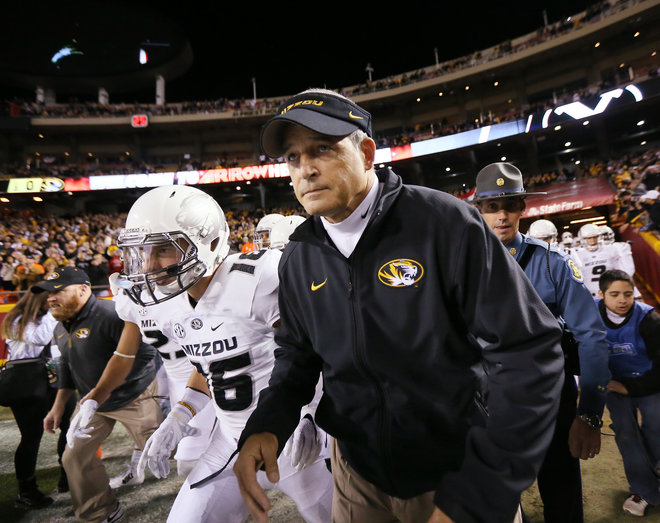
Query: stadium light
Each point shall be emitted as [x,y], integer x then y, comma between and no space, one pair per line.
[593,219]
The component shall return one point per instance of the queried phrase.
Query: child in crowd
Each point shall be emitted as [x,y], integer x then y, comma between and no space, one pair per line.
[633,337]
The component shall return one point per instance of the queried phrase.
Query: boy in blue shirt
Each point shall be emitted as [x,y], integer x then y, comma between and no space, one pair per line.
[633,337]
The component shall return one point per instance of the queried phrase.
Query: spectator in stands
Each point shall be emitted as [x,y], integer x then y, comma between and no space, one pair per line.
[114,263]
[633,331]
[50,264]
[650,202]
[27,273]
[98,271]
[71,248]
[7,270]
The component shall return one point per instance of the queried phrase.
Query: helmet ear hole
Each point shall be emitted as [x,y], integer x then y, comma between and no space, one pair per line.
[214,244]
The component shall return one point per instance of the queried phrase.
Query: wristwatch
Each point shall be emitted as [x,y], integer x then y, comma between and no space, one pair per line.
[593,420]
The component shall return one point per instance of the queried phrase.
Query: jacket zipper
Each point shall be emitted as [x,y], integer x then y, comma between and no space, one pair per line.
[360,354]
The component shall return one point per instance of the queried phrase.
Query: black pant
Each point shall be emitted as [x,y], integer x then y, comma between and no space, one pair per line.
[559,480]
[29,415]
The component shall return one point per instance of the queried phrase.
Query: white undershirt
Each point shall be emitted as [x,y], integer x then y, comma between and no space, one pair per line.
[347,233]
[615,318]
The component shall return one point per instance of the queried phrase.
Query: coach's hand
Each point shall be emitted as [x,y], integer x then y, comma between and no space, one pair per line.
[78,427]
[258,450]
[161,443]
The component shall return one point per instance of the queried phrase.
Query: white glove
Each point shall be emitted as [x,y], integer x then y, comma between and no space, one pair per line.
[78,427]
[304,445]
[159,446]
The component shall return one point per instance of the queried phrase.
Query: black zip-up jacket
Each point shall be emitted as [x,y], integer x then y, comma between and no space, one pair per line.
[87,342]
[402,332]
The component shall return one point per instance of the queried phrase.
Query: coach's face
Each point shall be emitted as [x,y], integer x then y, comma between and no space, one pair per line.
[330,175]
[66,303]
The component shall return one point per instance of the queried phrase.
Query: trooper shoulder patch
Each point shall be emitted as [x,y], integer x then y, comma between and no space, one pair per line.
[574,271]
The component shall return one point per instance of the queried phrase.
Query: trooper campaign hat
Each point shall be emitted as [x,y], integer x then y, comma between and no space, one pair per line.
[500,180]
[322,111]
[60,278]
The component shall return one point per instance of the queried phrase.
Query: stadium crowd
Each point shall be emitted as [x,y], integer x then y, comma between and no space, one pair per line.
[31,244]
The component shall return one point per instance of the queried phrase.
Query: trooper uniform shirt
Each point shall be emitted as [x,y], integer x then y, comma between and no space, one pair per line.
[560,284]
[229,335]
[87,343]
[149,321]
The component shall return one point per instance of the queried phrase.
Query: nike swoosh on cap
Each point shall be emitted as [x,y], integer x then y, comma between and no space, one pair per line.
[351,115]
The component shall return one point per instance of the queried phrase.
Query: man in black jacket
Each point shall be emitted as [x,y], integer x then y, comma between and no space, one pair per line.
[87,334]
[441,366]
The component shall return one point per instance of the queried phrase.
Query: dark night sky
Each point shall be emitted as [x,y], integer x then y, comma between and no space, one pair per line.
[285,48]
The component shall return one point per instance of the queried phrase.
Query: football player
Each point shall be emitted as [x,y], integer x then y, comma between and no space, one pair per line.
[279,234]
[176,369]
[595,258]
[263,230]
[567,242]
[543,230]
[175,242]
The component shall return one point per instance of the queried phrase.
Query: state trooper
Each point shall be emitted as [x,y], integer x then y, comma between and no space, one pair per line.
[500,197]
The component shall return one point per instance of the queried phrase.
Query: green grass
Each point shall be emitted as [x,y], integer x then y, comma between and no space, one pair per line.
[10,511]
[5,414]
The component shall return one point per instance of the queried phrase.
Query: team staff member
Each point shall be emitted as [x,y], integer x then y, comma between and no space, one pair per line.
[500,197]
[87,334]
[400,329]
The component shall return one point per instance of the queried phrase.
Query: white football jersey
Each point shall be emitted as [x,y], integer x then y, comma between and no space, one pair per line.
[149,320]
[229,335]
[595,263]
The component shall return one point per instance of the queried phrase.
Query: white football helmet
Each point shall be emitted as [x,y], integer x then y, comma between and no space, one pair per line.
[263,229]
[589,230]
[174,236]
[279,234]
[606,235]
[567,238]
[543,230]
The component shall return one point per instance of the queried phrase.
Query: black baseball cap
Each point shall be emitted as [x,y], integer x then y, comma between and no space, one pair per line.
[321,111]
[60,278]
[500,180]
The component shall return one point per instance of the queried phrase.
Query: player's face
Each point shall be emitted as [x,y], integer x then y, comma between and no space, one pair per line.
[593,241]
[619,297]
[161,257]
[66,303]
[503,216]
[329,175]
